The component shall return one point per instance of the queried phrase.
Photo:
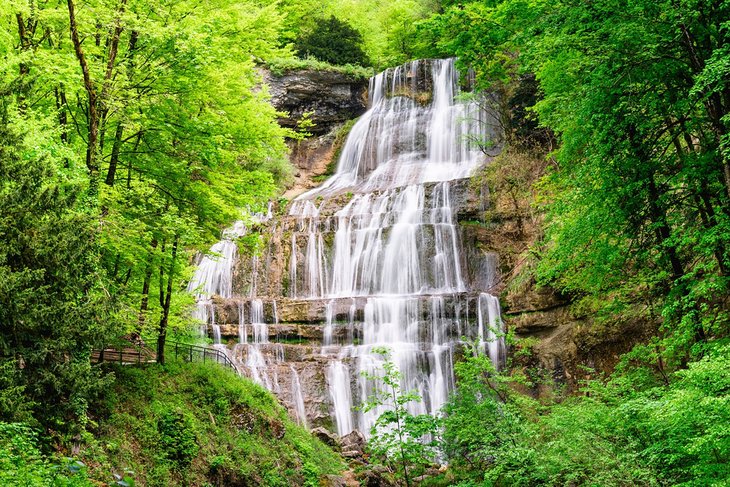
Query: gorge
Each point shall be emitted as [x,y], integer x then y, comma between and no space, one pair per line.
[371,259]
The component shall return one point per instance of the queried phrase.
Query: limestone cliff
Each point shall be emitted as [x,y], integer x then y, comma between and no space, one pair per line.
[370,259]
[564,344]
[327,99]
[289,325]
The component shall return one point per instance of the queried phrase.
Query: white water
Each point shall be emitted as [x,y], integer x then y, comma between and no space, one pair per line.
[338,379]
[297,397]
[396,243]
[378,244]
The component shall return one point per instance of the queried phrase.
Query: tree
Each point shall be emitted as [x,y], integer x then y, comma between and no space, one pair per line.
[133,132]
[175,135]
[637,208]
[405,442]
[481,421]
[54,307]
[333,41]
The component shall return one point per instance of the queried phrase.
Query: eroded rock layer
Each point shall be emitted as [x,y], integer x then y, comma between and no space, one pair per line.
[371,260]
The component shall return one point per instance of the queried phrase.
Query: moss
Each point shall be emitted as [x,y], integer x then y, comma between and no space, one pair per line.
[281,66]
[252,244]
[228,430]
[423,98]
[339,143]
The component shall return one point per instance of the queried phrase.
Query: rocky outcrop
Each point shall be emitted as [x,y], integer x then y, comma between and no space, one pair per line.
[568,348]
[330,97]
[501,227]
[353,445]
[326,437]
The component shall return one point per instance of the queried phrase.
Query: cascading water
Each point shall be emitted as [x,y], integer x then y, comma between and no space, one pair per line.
[214,277]
[376,252]
[395,243]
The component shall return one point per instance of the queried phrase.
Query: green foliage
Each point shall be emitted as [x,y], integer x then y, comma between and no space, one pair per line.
[404,442]
[388,29]
[177,438]
[119,158]
[333,41]
[641,188]
[251,244]
[480,425]
[54,307]
[280,66]
[614,433]
[23,464]
[201,424]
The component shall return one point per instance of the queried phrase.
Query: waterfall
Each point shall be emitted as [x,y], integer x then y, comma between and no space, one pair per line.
[242,328]
[339,389]
[374,257]
[488,315]
[216,334]
[297,397]
[214,277]
[395,242]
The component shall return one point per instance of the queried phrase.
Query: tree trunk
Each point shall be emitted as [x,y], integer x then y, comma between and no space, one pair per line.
[162,334]
[712,101]
[663,232]
[114,160]
[25,35]
[701,197]
[145,293]
[93,100]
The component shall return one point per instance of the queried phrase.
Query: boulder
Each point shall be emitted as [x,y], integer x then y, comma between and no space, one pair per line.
[326,437]
[353,442]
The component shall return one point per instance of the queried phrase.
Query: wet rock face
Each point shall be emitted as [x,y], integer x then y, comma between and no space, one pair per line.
[372,257]
[333,97]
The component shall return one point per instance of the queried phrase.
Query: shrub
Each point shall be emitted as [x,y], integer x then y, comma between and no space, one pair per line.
[177,438]
[22,463]
[333,41]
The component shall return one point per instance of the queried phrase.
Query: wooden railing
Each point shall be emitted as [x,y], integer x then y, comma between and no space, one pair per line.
[124,355]
[134,355]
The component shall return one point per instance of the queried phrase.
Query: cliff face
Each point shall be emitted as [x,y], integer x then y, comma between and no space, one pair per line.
[328,99]
[562,344]
[299,332]
[371,259]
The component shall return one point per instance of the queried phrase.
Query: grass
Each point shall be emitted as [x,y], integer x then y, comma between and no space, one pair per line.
[200,424]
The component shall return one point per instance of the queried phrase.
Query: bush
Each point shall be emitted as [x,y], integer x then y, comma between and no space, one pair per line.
[177,438]
[616,434]
[22,464]
[333,41]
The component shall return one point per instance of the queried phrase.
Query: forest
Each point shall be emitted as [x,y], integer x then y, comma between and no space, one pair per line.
[133,133]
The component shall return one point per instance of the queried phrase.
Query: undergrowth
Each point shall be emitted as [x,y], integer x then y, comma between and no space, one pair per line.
[199,424]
